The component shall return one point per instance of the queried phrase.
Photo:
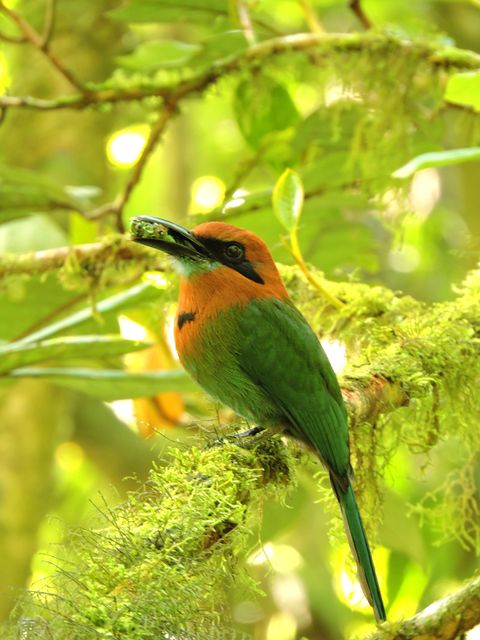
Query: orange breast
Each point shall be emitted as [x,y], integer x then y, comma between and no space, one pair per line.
[204,295]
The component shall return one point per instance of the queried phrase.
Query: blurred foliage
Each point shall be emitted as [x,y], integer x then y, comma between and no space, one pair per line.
[193,110]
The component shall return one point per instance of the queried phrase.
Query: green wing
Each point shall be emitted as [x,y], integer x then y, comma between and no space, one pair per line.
[280,353]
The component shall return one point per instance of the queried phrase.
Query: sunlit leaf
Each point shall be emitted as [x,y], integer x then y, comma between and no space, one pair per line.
[288,199]
[14,355]
[437,159]
[111,384]
[464,89]
[114,303]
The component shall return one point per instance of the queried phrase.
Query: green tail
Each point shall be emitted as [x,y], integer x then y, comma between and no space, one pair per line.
[357,539]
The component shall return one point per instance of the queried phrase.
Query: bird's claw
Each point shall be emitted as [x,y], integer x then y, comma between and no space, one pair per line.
[245,439]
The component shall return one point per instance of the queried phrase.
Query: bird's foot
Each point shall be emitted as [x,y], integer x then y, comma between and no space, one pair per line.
[249,433]
[245,439]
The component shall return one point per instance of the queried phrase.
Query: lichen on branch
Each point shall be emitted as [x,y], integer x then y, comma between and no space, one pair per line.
[160,564]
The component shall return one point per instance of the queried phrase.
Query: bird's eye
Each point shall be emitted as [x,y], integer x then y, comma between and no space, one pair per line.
[234,252]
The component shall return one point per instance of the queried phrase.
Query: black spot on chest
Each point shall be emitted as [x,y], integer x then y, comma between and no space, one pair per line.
[183,318]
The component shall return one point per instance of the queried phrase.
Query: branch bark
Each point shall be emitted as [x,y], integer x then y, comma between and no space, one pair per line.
[112,250]
[444,619]
[357,9]
[323,44]
[117,206]
[41,42]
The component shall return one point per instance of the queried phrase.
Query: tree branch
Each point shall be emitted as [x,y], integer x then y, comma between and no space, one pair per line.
[113,250]
[49,22]
[41,42]
[117,206]
[373,392]
[311,17]
[444,619]
[323,44]
[357,9]
[245,21]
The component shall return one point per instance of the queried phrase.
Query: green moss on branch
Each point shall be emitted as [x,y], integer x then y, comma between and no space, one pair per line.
[445,619]
[160,565]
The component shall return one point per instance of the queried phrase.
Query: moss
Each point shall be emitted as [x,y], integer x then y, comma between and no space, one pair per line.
[427,360]
[161,564]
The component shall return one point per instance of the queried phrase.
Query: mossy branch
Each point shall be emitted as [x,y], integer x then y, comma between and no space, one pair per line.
[444,619]
[324,45]
[113,251]
[161,563]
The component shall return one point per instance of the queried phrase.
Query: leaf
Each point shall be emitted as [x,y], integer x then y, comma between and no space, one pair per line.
[263,106]
[437,159]
[220,46]
[14,355]
[23,192]
[113,303]
[464,89]
[150,56]
[288,199]
[111,384]
[193,11]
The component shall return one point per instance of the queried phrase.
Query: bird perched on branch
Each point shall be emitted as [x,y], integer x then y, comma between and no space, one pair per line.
[239,335]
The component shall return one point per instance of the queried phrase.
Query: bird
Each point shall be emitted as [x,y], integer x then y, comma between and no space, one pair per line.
[239,335]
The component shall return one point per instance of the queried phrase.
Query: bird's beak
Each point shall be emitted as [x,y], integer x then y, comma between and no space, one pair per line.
[168,237]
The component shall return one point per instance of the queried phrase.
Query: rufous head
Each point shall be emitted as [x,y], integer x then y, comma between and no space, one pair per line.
[238,254]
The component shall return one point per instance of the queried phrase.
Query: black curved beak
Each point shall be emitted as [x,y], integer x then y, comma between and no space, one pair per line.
[168,237]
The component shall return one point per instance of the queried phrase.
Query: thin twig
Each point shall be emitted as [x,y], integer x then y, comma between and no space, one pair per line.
[41,44]
[13,39]
[117,206]
[311,17]
[245,21]
[49,22]
[357,9]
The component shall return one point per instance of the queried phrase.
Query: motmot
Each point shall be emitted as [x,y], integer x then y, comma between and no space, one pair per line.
[241,338]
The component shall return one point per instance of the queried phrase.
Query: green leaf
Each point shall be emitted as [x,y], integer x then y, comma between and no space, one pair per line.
[222,45]
[464,89]
[113,303]
[14,355]
[150,56]
[437,159]
[23,192]
[193,11]
[288,199]
[111,384]
[262,107]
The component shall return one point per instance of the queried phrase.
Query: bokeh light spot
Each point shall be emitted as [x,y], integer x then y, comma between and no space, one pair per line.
[69,456]
[404,259]
[5,79]
[425,190]
[282,626]
[306,97]
[346,584]
[155,279]
[124,147]
[131,330]
[207,193]
[336,352]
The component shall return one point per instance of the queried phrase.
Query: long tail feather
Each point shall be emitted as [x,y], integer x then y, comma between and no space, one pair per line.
[358,542]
